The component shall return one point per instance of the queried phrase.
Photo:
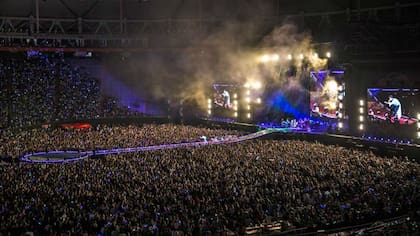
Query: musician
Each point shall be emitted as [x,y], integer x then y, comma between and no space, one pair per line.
[395,106]
[226,99]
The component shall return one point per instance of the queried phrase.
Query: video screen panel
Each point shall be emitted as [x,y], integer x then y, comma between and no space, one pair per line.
[326,94]
[224,96]
[392,112]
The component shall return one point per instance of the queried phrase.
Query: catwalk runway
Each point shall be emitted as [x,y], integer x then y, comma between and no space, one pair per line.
[71,156]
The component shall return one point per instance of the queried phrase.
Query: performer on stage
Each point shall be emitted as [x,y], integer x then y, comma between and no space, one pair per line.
[226,99]
[395,106]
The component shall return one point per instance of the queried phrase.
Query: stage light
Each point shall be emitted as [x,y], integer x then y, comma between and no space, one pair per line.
[247,85]
[361,110]
[361,127]
[301,56]
[362,103]
[340,105]
[332,86]
[265,58]
[328,54]
[315,55]
[340,125]
[340,115]
[256,85]
[209,112]
[248,100]
[275,57]
[289,57]
[340,97]
[235,102]
[248,107]
[235,108]
[235,114]
[209,101]
[235,95]
[248,115]
[418,125]
[361,118]
[418,134]
[248,92]
[259,101]
[418,117]
[340,88]
[209,106]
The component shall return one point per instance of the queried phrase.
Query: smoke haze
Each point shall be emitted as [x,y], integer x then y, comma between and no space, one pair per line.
[221,56]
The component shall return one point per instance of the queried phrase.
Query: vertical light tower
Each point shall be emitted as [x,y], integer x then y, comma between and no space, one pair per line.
[418,126]
[361,115]
[341,94]
[209,107]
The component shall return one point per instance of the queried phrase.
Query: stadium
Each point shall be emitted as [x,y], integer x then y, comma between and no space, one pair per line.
[209,117]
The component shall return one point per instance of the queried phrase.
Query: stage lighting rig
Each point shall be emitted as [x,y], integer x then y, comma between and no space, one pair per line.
[361,114]
[301,56]
[328,55]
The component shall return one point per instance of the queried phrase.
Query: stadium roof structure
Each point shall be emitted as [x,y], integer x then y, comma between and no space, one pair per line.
[130,23]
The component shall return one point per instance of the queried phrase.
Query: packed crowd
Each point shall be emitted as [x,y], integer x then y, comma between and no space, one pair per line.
[17,143]
[45,88]
[218,189]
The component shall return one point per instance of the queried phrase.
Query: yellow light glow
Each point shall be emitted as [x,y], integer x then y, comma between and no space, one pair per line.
[418,116]
[340,105]
[235,95]
[418,134]
[361,118]
[289,57]
[248,107]
[247,85]
[209,112]
[235,114]
[209,106]
[257,85]
[340,97]
[265,58]
[340,125]
[340,88]
[248,115]
[275,57]
[209,101]
[235,102]
[235,108]
[315,55]
[361,127]
[248,100]
[361,110]
[362,103]
[248,92]
[259,100]
[332,86]
[340,115]
[328,54]
[301,56]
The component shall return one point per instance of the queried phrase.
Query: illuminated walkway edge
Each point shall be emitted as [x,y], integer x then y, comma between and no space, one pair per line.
[83,155]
